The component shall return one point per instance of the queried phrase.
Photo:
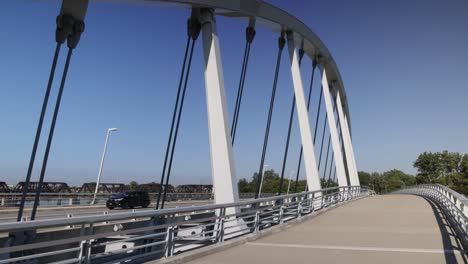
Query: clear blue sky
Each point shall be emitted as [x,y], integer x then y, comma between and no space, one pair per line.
[404,65]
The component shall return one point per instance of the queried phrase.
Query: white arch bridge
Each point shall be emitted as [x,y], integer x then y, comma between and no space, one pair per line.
[184,234]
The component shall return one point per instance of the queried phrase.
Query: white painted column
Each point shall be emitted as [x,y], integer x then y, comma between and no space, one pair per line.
[353,159]
[222,162]
[310,164]
[346,142]
[339,163]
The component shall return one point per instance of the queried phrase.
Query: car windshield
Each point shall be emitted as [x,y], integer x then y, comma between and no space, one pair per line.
[119,195]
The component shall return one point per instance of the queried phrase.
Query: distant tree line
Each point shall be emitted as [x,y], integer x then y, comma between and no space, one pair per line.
[446,168]
[271,183]
[386,182]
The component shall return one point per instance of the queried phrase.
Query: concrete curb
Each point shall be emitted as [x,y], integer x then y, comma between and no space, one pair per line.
[202,252]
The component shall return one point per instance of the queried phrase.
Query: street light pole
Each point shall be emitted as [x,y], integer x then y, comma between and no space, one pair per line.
[102,163]
[261,181]
[289,184]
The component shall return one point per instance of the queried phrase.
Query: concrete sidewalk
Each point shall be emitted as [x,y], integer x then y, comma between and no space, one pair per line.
[379,229]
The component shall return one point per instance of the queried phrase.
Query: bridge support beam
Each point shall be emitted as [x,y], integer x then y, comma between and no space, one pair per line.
[338,155]
[222,161]
[310,164]
[347,145]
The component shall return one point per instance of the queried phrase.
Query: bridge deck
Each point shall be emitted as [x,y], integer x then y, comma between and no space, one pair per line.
[379,229]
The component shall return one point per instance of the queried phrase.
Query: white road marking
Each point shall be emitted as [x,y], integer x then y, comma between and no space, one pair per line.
[379,249]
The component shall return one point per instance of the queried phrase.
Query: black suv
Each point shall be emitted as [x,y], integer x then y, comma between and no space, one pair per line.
[128,199]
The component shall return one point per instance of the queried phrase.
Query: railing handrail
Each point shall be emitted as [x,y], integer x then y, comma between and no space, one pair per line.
[103,194]
[460,197]
[49,223]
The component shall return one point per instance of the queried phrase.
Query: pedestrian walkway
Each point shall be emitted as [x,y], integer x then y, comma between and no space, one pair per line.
[378,229]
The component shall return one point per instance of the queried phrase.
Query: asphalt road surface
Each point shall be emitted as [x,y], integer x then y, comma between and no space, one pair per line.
[10,214]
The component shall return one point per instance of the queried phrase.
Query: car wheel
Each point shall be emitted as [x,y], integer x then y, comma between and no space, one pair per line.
[110,207]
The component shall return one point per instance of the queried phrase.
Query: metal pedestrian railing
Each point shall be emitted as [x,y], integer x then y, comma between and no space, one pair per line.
[139,236]
[454,205]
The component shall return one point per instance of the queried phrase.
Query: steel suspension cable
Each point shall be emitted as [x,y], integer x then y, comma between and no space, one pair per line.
[174,114]
[323,137]
[329,138]
[333,156]
[329,174]
[177,126]
[51,134]
[249,35]
[67,29]
[334,175]
[194,28]
[331,165]
[38,132]
[281,43]
[326,160]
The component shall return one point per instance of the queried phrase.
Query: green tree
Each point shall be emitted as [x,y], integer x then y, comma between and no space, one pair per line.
[364,178]
[245,186]
[396,179]
[446,168]
[327,183]
[271,183]
[133,185]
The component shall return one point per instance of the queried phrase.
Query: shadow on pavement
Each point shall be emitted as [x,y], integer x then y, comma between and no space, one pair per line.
[447,232]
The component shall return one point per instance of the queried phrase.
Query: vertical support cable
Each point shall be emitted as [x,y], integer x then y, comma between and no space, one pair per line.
[67,28]
[327,183]
[177,125]
[326,160]
[286,148]
[193,29]
[73,35]
[38,132]
[329,174]
[331,165]
[174,114]
[333,156]
[321,145]
[334,175]
[249,36]
[51,134]
[281,43]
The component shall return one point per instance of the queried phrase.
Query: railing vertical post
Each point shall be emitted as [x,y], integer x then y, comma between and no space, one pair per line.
[299,209]
[257,221]
[169,241]
[311,203]
[221,220]
[86,244]
[281,213]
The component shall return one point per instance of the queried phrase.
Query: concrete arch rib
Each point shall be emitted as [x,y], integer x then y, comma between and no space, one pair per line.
[270,17]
